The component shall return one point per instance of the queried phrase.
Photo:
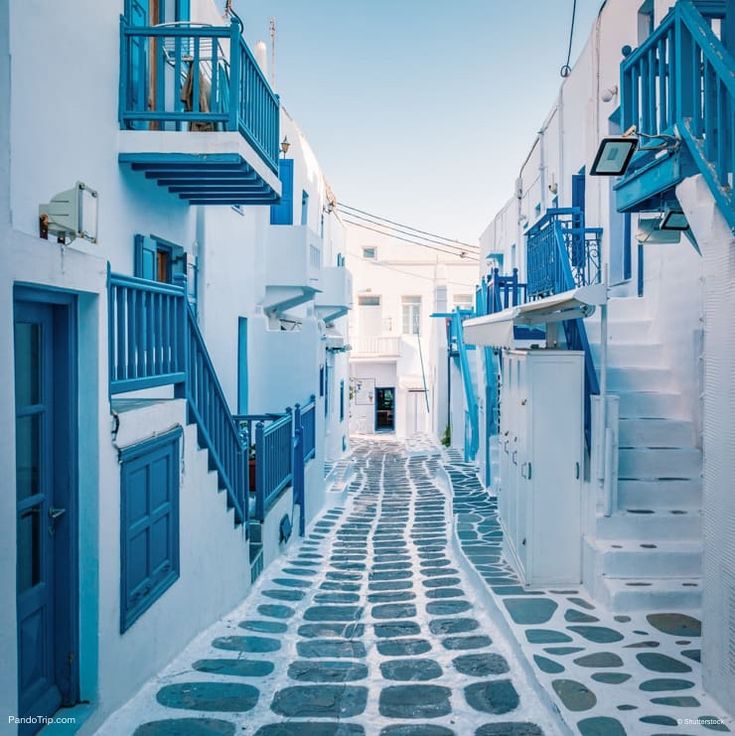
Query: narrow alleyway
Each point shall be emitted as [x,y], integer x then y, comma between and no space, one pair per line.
[369,627]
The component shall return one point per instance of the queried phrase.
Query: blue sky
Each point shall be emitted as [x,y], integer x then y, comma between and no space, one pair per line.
[420,110]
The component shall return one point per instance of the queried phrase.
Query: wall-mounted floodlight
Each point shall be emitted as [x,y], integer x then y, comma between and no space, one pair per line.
[614,155]
[674,219]
[70,214]
[650,232]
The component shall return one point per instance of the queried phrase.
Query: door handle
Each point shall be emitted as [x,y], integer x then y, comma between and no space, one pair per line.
[54,514]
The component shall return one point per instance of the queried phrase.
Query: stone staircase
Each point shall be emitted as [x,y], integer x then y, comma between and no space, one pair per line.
[647,554]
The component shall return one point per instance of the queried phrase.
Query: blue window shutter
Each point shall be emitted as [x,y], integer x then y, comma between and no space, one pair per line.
[149,524]
[282,213]
[145,257]
[341,401]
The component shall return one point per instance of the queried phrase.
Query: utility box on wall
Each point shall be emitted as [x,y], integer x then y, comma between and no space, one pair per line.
[541,456]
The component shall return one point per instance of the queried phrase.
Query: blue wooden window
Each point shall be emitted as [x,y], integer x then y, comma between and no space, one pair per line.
[321,381]
[304,208]
[158,259]
[282,213]
[149,524]
[341,401]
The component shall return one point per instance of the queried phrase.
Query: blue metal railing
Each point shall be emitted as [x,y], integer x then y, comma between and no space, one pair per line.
[504,291]
[308,424]
[682,80]
[154,340]
[188,77]
[563,255]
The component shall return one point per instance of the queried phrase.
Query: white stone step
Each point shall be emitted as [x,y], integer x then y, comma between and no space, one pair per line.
[620,331]
[671,594]
[649,404]
[637,378]
[651,463]
[650,524]
[660,494]
[637,559]
[641,432]
[626,355]
[628,308]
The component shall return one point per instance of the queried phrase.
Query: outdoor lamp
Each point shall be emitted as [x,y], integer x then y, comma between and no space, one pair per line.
[285,145]
[674,219]
[614,155]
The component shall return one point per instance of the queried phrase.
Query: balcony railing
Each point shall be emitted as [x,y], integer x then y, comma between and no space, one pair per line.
[308,426]
[376,346]
[177,77]
[681,81]
[562,253]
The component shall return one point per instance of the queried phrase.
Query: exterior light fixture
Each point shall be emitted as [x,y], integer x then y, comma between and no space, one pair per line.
[614,155]
[70,214]
[674,219]
[285,145]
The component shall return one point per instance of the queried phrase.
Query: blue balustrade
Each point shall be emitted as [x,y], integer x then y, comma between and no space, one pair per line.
[146,340]
[198,78]
[472,425]
[681,80]
[308,424]
[154,340]
[273,461]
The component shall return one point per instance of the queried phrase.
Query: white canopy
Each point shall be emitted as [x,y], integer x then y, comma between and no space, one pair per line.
[496,330]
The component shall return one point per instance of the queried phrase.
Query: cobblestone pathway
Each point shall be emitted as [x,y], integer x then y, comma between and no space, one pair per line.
[369,628]
[611,675]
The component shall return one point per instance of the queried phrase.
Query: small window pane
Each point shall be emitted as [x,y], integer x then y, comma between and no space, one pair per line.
[29,549]
[368,301]
[27,455]
[27,364]
[370,253]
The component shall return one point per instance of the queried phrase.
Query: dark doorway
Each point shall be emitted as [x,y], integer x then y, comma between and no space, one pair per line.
[385,409]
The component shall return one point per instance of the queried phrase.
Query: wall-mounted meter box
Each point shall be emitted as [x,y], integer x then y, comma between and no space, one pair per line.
[541,454]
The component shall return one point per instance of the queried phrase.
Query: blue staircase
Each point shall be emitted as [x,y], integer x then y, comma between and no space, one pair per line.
[154,340]
[678,90]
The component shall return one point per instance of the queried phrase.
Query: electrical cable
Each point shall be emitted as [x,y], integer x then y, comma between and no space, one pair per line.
[405,232]
[566,70]
[450,241]
[463,255]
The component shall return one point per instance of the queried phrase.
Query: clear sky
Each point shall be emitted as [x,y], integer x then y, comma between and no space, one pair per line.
[420,110]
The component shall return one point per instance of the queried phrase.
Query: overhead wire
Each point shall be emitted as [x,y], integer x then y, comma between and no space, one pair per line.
[410,234]
[566,69]
[450,241]
[462,254]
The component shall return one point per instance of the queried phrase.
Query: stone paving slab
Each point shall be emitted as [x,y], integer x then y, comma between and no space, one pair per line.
[368,628]
[611,675]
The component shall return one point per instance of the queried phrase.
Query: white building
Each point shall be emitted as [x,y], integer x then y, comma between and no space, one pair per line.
[654,506]
[126,389]
[399,382]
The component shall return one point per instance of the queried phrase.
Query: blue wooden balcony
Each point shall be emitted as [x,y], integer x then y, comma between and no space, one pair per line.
[678,90]
[198,115]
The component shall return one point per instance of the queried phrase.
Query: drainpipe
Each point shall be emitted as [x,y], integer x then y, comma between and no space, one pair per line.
[605,456]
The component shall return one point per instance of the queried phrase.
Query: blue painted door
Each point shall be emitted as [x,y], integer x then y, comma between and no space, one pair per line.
[46,561]
[579,187]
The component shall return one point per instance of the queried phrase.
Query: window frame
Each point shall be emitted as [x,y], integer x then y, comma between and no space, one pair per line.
[411,308]
[373,249]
